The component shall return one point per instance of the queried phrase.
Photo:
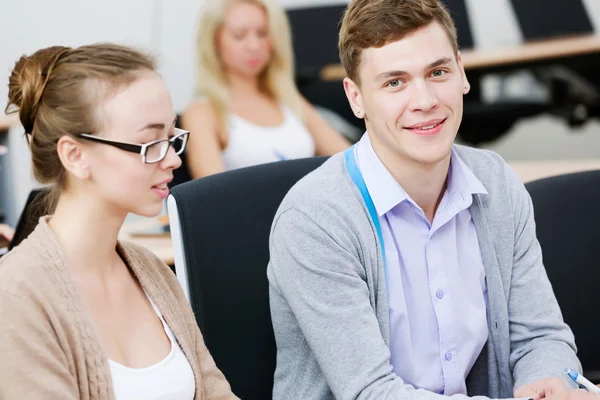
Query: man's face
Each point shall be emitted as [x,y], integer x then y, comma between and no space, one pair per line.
[411,96]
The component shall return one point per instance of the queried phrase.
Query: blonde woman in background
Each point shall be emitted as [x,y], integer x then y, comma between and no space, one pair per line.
[249,110]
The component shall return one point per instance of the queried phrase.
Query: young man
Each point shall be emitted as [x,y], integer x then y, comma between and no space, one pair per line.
[408,267]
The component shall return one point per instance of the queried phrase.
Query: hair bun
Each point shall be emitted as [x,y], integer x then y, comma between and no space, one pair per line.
[28,80]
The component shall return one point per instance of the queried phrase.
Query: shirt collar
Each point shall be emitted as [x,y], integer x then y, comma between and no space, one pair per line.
[461,180]
[386,192]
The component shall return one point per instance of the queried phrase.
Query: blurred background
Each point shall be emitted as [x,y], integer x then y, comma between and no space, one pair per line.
[534,66]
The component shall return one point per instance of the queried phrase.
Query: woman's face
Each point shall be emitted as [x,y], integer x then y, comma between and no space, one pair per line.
[139,113]
[244,41]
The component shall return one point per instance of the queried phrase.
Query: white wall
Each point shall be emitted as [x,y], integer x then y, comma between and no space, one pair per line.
[28,25]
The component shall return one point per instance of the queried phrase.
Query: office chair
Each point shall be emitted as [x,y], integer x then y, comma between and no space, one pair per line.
[2,152]
[220,228]
[573,82]
[32,212]
[567,215]
[476,128]
[315,42]
[543,19]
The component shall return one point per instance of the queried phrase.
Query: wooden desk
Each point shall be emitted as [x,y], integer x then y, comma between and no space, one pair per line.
[527,170]
[532,170]
[530,52]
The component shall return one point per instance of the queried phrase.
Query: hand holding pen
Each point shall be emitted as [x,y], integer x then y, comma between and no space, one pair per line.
[582,381]
[555,389]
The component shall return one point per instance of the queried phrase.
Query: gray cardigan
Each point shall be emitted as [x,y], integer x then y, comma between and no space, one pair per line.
[329,303]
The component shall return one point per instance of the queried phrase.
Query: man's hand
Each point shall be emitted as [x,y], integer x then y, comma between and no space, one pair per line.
[6,235]
[541,389]
[578,394]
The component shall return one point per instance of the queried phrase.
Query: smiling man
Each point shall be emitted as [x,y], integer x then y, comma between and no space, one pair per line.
[408,267]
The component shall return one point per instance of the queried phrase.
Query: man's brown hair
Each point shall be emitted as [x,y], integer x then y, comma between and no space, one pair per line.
[375,23]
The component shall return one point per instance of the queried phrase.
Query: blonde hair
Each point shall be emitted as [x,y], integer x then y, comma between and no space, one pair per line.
[278,76]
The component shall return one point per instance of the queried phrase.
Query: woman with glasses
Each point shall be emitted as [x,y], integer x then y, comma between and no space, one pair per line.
[83,315]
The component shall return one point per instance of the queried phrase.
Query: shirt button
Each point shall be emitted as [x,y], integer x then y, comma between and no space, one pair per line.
[448,356]
[440,294]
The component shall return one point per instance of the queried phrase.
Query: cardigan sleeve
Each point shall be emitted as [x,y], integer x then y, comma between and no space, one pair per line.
[215,386]
[542,345]
[33,365]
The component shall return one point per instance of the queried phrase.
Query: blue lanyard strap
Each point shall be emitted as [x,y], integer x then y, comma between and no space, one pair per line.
[359,181]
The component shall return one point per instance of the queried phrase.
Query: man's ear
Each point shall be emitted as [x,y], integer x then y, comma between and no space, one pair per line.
[73,157]
[354,97]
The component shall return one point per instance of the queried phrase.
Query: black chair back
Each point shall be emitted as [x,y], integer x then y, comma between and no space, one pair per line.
[567,216]
[315,37]
[32,212]
[544,19]
[223,224]
[458,11]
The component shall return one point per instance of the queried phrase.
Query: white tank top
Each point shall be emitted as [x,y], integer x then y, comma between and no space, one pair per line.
[171,378]
[250,144]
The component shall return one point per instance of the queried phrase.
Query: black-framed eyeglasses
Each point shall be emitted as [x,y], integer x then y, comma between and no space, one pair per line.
[151,152]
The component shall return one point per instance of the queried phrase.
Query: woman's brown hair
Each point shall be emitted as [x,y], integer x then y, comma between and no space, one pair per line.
[58,90]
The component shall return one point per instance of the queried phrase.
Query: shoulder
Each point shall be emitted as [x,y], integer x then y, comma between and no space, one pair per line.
[490,168]
[31,283]
[22,267]
[327,196]
[507,195]
[318,185]
[200,108]
[479,160]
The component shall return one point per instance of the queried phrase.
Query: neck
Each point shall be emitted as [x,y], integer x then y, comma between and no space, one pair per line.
[88,232]
[241,86]
[424,183]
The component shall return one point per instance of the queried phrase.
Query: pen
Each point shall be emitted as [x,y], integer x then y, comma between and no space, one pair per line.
[281,156]
[582,381]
